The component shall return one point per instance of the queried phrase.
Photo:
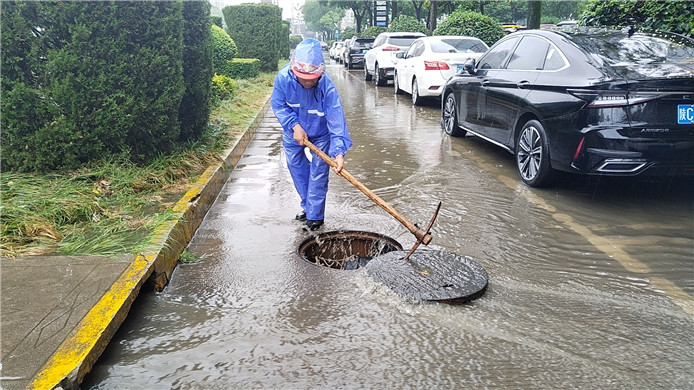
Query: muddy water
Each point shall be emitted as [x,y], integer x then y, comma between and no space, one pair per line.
[590,282]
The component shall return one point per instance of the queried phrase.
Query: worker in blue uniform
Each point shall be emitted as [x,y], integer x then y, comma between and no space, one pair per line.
[307,105]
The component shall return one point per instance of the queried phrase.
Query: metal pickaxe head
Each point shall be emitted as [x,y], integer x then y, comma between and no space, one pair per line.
[423,236]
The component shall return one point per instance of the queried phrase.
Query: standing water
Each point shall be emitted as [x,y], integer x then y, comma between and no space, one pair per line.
[590,282]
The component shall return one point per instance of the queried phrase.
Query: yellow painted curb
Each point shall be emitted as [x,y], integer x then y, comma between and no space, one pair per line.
[75,356]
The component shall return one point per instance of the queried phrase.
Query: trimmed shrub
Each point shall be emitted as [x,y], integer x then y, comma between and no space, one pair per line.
[194,111]
[407,23]
[257,31]
[243,68]
[224,49]
[471,24]
[295,40]
[82,80]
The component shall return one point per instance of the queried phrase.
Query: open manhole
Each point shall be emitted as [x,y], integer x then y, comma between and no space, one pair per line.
[346,249]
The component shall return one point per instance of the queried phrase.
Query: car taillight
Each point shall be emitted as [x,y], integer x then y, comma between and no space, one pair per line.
[391,48]
[435,65]
[604,99]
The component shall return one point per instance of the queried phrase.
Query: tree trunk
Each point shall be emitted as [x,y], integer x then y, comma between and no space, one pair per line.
[534,13]
[432,16]
[393,10]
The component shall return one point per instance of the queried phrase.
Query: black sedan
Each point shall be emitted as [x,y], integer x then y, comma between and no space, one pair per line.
[584,100]
[354,51]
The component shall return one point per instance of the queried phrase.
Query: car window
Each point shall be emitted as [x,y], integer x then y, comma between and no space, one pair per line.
[412,51]
[640,56]
[379,41]
[497,54]
[401,41]
[554,59]
[529,55]
[452,45]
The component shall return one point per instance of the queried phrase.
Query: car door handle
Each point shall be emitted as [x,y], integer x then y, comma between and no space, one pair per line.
[523,84]
[485,82]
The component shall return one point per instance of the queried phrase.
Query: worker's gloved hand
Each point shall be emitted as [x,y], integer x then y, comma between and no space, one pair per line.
[340,160]
[299,134]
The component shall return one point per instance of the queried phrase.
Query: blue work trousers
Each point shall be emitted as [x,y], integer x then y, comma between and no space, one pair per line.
[310,177]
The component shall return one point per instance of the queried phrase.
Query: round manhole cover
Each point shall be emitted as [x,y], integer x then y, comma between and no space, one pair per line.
[346,249]
[430,275]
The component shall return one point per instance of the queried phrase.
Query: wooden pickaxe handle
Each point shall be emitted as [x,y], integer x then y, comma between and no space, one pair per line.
[422,236]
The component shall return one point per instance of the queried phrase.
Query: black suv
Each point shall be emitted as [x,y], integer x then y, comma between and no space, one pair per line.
[354,51]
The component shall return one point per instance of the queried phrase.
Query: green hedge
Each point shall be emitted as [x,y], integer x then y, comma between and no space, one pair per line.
[243,68]
[257,31]
[84,80]
[195,108]
[471,24]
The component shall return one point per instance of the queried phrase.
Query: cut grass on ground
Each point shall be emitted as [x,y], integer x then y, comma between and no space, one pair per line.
[111,207]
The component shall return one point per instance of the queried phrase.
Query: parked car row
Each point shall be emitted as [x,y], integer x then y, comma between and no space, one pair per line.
[581,100]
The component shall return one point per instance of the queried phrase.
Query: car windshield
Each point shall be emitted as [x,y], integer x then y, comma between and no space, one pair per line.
[639,56]
[452,45]
[401,41]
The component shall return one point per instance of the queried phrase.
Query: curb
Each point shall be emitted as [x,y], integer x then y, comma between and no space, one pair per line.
[75,356]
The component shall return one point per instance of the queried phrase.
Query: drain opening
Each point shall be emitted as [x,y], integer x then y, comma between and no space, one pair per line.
[346,249]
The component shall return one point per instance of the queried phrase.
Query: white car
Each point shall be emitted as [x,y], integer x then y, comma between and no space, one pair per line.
[332,52]
[378,62]
[423,69]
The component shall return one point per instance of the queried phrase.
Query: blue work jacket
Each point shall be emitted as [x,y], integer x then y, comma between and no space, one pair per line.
[317,109]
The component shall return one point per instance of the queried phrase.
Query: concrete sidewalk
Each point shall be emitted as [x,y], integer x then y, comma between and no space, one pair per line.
[58,313]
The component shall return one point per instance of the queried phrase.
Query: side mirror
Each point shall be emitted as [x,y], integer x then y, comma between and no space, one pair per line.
[469,66]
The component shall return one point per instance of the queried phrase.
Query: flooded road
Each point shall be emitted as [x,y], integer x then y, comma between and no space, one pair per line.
[590,282]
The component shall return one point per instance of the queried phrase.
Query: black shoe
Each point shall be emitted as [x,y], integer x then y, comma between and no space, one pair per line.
[301,216]
[313,224]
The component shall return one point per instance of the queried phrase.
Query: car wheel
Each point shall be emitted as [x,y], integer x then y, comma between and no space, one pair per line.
[367,75]
[378,79]
[532,155]
[416,99]
[396,85]
[449,118]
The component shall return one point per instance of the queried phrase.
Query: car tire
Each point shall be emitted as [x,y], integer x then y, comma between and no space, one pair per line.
[367,75]
[532,155]
[378,79]
[449,117]
[396,85]
[416,99]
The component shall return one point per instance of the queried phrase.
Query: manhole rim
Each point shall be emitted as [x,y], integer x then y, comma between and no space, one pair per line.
[333,233]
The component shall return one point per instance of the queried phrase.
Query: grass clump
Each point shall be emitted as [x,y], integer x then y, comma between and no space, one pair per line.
[112,206]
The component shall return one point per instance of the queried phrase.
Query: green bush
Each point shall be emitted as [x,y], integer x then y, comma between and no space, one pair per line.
[295,40]
[224,49]
[471,24]
[82,80]
[373,31]
[407,24]
[243,68]
[257,31]
[217,21]
[223,88]
[194,111]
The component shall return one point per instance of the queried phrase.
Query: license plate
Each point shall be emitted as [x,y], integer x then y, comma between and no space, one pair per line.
[685,114]
[364,50]
[459,69]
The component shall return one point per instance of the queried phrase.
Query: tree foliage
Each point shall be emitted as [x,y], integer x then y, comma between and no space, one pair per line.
[674,16]
[224,50]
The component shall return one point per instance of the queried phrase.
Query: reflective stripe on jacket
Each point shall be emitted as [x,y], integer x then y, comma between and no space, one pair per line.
[317,109]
